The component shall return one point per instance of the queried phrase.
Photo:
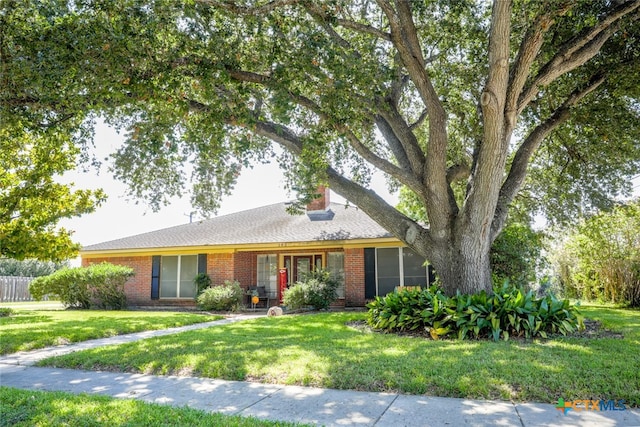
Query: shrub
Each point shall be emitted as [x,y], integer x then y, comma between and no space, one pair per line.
[294,297]
[202,282]
[508,312]
[226,297]
[318,290]
[5,311]
[601,258]
[96,286]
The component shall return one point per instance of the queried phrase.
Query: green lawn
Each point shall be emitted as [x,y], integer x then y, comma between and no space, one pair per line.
[320,350]
[31,408]
[33,305]
[32,329]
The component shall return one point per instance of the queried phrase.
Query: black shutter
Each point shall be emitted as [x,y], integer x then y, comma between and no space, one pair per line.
[369,273]
[202,263]
[155,277]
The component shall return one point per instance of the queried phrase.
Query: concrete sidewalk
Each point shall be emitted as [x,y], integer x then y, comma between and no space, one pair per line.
[289,403]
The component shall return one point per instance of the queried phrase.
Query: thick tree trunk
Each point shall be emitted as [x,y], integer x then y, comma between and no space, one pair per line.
[462,264]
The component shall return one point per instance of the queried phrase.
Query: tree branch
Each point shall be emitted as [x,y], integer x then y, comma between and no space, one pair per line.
[400,174]
[577,51]
[286,137]
[248,76]
[518,170]
[232,6]
[490,155]
[322,16]
[409,142]
[458,172]
[399,225]
[365,29]
[527,53]
[394,142]
[420,120]
[405,39]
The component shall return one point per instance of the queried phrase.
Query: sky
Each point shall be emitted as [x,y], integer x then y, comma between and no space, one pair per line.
[120,217]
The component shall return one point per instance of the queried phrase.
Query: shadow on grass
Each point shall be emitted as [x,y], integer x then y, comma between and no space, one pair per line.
[320,350]
[28,407]
[29,330]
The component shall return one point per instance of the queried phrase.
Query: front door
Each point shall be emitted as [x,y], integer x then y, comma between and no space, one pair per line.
[301,266]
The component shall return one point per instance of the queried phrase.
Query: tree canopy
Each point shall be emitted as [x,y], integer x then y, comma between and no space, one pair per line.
[458,101]
[31,200]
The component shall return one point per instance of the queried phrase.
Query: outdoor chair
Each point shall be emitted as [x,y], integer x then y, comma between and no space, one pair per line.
[262,295]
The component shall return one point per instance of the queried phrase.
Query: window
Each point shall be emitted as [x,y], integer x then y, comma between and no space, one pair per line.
[399,267]
[176,276]
[388,270]
[335,266]
[268,273]
[299,265]
[413,268]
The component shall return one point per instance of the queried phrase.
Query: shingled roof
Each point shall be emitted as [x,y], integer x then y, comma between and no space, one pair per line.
[267,224]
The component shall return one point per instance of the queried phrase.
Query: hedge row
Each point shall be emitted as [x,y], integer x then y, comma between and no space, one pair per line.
[97,286]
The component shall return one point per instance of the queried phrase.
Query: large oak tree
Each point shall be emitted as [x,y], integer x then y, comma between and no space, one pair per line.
[455,100]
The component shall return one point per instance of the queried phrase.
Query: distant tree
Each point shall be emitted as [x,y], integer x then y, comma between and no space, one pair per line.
[516,255]
[459,101]
[29,267]
[601,258]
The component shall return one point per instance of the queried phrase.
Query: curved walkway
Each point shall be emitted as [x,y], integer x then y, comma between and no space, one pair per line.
[287,403]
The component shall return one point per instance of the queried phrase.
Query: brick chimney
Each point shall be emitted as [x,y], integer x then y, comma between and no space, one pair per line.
[322,202]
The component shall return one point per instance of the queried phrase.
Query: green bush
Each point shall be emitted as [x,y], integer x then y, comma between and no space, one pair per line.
[226,297]
[318,290]
[97,286]
[509,312]
[5,311]
[294,297]
[202,282]
[600,260]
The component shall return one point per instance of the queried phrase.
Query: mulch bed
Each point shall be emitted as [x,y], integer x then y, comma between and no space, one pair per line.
[593,329]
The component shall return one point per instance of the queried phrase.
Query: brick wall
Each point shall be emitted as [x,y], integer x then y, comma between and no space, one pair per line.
[241,266]
[137,288]
[245,268]
[220,267]
[354,277]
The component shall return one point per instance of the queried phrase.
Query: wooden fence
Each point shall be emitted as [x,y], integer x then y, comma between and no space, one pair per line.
[15,289]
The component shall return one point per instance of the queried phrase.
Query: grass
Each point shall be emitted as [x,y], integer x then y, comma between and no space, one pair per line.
[320,350]
[33,329]
[33,305]
[30,408]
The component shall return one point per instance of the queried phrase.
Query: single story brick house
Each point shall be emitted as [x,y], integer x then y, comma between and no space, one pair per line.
[266,247]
